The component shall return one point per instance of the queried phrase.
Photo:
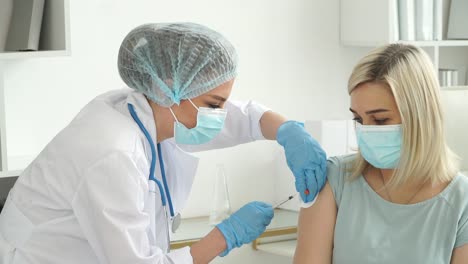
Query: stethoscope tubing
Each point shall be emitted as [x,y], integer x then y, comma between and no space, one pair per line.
[165,194]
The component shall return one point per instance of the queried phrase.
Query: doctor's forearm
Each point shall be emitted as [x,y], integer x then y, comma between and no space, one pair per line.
[270,122]
[208,247]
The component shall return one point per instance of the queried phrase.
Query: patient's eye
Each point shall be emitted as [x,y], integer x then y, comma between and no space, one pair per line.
[381,121]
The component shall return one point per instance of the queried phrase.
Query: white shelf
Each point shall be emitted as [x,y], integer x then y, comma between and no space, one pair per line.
[6,174]
[15,165]
[454,88]
[438,43]
[435,43]
[33,54]
[280,248]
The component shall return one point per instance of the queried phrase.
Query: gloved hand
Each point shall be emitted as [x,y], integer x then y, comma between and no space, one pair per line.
[305,158]
[245,225]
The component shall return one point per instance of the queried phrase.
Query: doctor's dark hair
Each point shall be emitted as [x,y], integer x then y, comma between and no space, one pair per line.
[410,75]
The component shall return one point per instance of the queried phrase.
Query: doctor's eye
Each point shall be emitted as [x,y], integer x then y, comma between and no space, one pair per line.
[358,120]
[214,106]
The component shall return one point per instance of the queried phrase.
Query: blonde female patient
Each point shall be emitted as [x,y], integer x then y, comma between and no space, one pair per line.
[400,199]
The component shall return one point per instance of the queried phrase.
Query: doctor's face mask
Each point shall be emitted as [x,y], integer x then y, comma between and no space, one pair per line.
[210,116]
[378,128]
[210,122]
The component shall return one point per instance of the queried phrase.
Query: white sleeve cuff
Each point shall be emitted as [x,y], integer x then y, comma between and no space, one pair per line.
[256,112]
[307,205]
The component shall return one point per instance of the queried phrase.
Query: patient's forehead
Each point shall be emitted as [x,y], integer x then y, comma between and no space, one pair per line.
[372,95]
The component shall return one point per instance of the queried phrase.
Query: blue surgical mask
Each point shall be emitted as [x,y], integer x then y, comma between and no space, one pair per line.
[209,123]
[380,145]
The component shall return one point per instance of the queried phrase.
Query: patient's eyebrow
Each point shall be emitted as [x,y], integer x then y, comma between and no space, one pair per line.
[376,111]
[380,110]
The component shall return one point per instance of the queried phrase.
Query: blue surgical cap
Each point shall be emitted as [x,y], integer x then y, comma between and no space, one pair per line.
[172,62]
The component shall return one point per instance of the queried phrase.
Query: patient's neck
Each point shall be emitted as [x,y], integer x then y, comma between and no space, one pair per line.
[407,193]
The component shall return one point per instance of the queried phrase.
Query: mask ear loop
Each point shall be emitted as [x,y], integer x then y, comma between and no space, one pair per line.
[196,107]
[170,109]
[172,112]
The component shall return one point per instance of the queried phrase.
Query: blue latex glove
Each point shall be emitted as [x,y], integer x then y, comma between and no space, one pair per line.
[245,225]
[305,158]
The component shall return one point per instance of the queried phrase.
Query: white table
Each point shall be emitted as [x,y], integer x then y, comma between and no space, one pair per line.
[279,237]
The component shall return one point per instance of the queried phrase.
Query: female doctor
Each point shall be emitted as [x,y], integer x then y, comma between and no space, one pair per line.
[108,187]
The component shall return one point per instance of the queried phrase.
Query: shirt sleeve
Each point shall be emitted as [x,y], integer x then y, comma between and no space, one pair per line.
[336,171]
[109,206]
[242,125]
[462,230]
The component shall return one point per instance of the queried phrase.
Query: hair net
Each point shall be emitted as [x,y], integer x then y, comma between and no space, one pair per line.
[172,62]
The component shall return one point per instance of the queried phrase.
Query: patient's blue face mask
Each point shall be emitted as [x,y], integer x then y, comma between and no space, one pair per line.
[209,123]
[380,145]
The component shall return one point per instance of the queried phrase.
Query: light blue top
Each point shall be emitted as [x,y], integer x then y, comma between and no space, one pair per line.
[370,229]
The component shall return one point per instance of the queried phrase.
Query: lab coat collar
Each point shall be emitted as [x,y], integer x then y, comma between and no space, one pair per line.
[183,167]
[144,112]
[180,165]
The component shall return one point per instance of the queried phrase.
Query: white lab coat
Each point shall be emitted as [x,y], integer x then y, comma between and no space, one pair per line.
[86,199]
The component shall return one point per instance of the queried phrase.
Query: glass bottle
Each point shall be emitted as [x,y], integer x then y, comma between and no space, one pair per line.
[221,205]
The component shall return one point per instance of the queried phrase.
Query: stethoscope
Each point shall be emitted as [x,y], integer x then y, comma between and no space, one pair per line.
[165,194]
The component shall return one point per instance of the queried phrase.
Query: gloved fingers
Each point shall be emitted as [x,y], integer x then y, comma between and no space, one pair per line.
[321,177]
[288,130]
[266,219]
[261,204]
[269,214]
[312,185]
[322,157]
[266,211]
[316,151]
[301,187]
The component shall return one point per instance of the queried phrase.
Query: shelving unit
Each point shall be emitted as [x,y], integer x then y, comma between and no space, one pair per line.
[370,23]
[55,32]
[54,42]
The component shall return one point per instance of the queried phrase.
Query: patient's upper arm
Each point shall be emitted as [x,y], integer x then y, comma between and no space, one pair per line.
[316,229]
[460,255]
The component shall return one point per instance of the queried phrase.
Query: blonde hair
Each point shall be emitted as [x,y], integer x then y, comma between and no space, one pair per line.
[408,72]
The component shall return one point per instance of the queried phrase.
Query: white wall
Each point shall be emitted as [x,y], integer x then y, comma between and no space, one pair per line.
[290,60]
